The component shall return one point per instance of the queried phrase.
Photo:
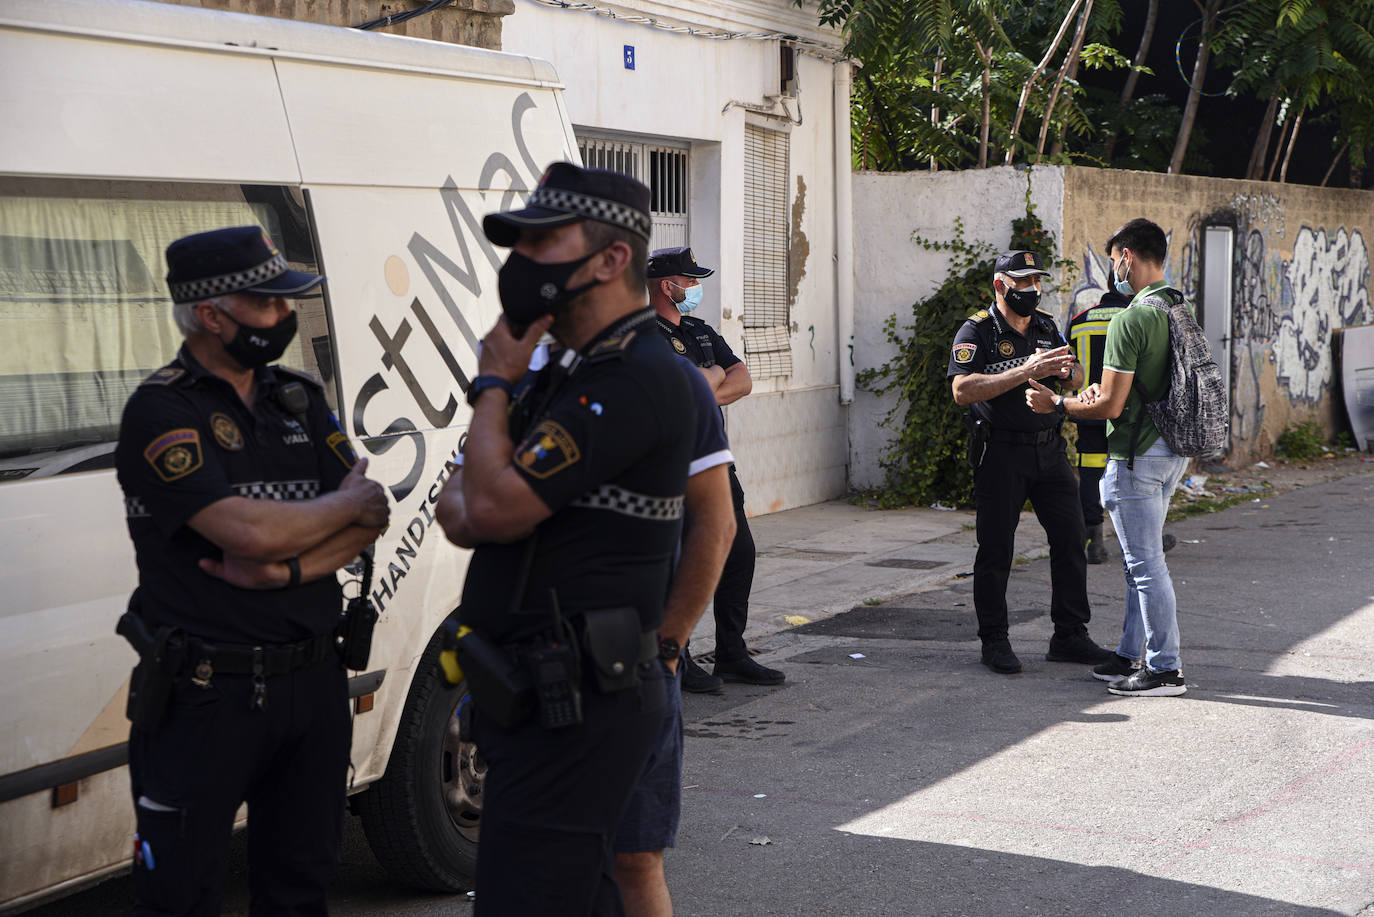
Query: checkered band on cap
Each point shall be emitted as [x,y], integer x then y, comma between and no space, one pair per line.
[593,208]
[207,287]
[629,503]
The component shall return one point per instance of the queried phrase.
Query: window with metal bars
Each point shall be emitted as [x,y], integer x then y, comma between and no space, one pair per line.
[663,167]
[767,343]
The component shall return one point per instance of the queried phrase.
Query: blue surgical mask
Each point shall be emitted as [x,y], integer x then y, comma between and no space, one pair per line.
[1123,284]
[691,299]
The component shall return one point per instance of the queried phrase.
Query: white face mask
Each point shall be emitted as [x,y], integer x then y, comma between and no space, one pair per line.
[691,298]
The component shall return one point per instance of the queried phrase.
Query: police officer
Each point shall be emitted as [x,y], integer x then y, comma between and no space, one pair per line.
[1087,334]
[243,499]
[1018,454]
[675,292]
[574,517]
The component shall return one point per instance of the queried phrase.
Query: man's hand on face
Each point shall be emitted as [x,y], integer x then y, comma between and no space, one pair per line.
[508,356]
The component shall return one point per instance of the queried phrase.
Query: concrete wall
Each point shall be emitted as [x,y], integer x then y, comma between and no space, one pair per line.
[700,90]
[891,271]
[1300,271]
[467,22]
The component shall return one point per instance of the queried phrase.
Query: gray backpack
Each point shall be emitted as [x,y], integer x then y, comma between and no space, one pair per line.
[1193,415]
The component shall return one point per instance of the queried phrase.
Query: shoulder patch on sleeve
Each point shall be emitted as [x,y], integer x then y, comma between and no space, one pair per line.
[175,454]
[611,348]
[979,316]
[547,451]
[164,376]
[342,448]
[964,351]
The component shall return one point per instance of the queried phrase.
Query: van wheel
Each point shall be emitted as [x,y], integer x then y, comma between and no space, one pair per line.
[421,819]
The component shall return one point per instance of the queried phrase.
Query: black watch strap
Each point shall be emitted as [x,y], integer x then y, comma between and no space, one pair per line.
[668,648]
[482,383]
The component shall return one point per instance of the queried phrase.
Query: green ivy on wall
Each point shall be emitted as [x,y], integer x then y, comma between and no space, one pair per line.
[925,462]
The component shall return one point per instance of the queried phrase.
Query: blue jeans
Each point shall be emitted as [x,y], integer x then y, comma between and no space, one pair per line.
[1137,500]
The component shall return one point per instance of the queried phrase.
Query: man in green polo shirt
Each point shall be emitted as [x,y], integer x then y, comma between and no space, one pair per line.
[1140,477]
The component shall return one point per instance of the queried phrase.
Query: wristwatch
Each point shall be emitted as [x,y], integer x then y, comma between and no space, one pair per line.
[668,649]
[1059,405]
[482,383]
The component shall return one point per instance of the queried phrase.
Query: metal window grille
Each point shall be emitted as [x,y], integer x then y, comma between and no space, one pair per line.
[766,314]
[663,167]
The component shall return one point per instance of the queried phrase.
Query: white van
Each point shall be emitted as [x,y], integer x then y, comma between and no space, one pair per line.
[367,157]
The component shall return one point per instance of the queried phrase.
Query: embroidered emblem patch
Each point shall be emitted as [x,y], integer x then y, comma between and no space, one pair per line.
[679,346]
[1030,260]
[963,353]
[226,432]
[978,316]
[547,451]
[1006,348]
[340,446]
[175,454]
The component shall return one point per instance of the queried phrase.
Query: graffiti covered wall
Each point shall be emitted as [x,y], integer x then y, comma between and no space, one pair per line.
[1300,270]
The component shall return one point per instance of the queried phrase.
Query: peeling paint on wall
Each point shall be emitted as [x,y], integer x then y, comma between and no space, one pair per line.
[798,246]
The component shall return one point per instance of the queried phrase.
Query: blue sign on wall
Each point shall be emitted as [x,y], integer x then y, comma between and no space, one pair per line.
[629,57]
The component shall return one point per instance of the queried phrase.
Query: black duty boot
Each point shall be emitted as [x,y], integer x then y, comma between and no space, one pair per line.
[1097,551]
[748,672]
[997,655]
[696,679]
[1078,648]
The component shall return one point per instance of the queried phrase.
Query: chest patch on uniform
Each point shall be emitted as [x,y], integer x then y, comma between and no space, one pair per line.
[963,353]
[1006,348]
[227,433]
[678,345]
[175,454]
[547,451]
[339,445]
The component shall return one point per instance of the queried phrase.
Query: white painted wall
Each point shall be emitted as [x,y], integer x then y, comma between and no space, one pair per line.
[891,271]
[789,435]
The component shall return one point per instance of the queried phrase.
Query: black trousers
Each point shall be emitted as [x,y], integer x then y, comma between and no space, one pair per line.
[1010,474]
[731,603]
[1090,494]
[554,798]
[288,761]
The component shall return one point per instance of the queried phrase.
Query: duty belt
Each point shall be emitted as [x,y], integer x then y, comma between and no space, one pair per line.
[1023,438]
[648,645]
[239,658]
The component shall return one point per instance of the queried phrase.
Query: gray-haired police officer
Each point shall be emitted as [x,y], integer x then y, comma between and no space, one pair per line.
[1018,454]
[574,518]
[243,499]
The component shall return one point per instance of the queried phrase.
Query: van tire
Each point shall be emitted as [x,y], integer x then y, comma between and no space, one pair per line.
[406,815]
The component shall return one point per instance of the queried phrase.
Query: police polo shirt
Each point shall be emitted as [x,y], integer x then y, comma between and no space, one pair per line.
[609,457]
[709,444]
[986,344]
[186,441]
[698,342]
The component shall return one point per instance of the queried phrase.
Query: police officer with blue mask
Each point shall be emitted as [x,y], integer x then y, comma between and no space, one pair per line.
[675,291]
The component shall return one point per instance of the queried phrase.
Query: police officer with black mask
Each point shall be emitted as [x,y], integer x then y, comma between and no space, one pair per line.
[243,499]
[572,500]
[1018,454]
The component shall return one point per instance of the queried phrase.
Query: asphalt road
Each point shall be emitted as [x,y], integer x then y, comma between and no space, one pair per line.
[894,775]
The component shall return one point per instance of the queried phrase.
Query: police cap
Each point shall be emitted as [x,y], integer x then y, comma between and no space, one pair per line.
[1020,264]
[240,259]
[569,193]
[675,262]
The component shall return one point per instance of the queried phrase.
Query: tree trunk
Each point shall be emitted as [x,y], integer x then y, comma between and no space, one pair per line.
[935,109]
[1070,62]
[1283,135]
[1204,52]
[986,56]
[1260,152]
[1331,168]
[1292,142]
[1039,69]
[1128,91]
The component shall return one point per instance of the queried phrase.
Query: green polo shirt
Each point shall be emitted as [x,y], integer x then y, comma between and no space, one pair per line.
[1137,343]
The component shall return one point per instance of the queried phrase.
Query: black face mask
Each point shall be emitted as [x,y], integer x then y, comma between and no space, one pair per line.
[1022,302]
[254,347]
[530,290]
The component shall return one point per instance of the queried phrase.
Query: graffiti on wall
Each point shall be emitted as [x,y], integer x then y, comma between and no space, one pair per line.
[1284,310]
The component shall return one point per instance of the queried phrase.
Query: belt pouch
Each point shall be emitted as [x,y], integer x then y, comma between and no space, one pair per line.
[150,686]
[500,688]
[610,638]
